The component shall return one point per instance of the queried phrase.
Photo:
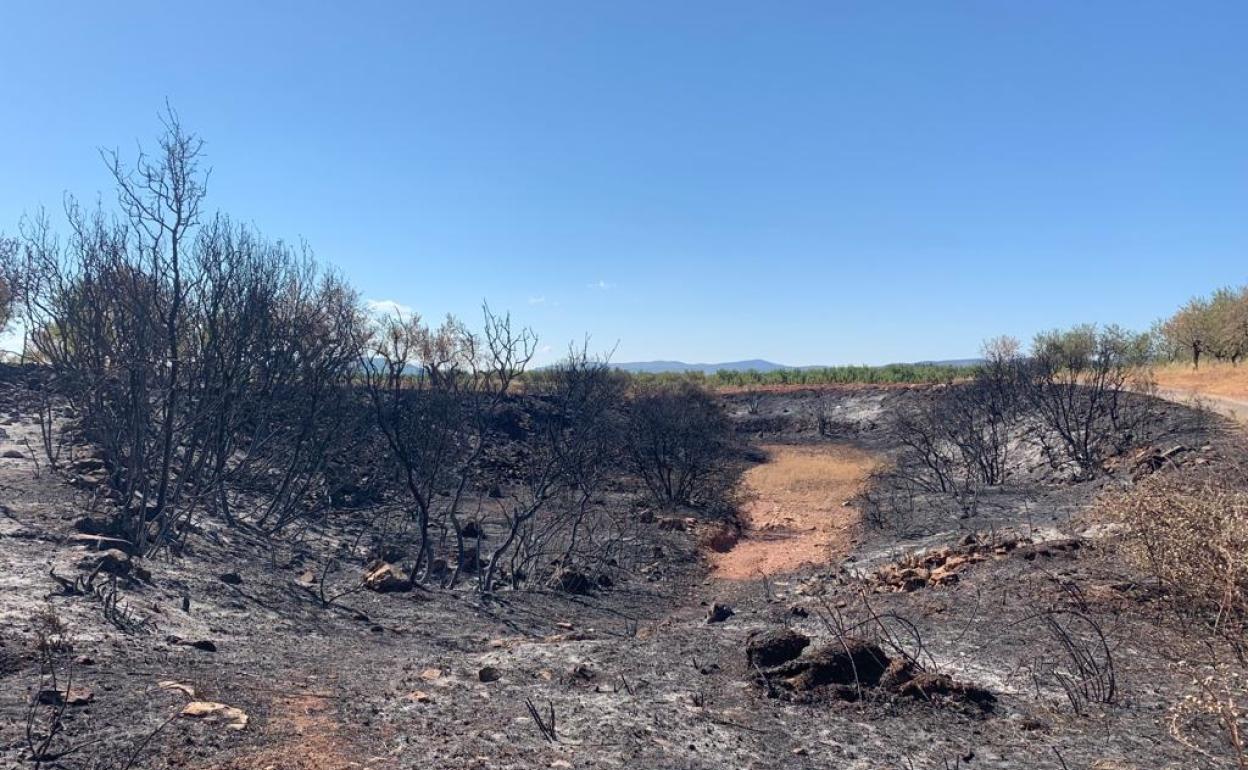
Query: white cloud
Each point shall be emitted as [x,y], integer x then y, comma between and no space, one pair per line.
[385,307]
[601,285]
[537,300]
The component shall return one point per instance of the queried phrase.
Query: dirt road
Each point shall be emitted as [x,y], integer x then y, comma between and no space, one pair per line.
[798,513]
[1235,408]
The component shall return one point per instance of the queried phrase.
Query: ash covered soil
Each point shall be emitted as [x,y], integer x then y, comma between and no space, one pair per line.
[922,646]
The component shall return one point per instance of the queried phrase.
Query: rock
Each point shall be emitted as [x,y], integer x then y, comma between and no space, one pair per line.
[207,645]
[231,578]
[386,579]
[235,718]
[914,578]
[927,686]
[718,613]
[13,454]
[418,696]
[306,578]
[74,696]
[850,668]
[944,576]
[1051,548]
[582,673]
[114,561]
[723,539]
[850,662]
[771,648]
[86,480]
[671,524]
[87,465]
[431,674]
[89,526]
[567,636]
[100,541]
[169,684]
[392,553]
[570,581]
[899,672]
[489,674]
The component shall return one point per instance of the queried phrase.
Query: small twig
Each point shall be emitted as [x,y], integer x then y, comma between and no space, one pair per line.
[547,725]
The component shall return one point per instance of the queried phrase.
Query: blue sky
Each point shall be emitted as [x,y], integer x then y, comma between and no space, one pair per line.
[820,182]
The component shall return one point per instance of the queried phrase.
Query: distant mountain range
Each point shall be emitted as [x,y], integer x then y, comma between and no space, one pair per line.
[756,364]
[656,367]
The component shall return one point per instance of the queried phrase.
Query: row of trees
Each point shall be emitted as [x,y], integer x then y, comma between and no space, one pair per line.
[1215,327]
[921,373]
[217,372]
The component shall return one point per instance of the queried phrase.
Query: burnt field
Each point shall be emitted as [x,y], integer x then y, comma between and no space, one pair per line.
[992,623]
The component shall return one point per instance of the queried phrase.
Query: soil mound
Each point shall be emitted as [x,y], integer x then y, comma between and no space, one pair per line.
[771,648]
[850,669]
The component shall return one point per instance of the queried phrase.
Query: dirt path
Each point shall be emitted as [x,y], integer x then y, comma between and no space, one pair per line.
[1235,408]
[797,514]
[307,736]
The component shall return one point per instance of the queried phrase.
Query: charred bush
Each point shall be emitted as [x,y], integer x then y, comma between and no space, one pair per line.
[1079,398]
[1079,385]
[205,362]
[679,444]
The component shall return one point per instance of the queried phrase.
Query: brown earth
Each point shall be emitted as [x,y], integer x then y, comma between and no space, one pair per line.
[798,512]
[307,736]
[1213,379]
[1221,388]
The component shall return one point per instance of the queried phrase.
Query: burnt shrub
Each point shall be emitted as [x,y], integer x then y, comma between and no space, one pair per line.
[679,444]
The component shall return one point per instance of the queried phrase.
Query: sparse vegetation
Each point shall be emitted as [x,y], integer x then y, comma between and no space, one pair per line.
[1079,398]
[1208,327]
[1189,531]
[889,374]
[214,372]
[408,503]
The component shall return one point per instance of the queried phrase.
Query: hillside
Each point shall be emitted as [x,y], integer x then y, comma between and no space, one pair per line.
[703,642]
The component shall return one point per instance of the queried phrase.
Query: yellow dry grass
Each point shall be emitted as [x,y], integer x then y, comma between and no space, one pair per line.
[796,514]
[1212,379]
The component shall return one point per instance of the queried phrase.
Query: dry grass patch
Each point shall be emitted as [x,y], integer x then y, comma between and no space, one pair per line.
[797,512]
[1188,529]
[1214,379]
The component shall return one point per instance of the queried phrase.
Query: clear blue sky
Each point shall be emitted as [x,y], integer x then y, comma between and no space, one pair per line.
[822,182]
